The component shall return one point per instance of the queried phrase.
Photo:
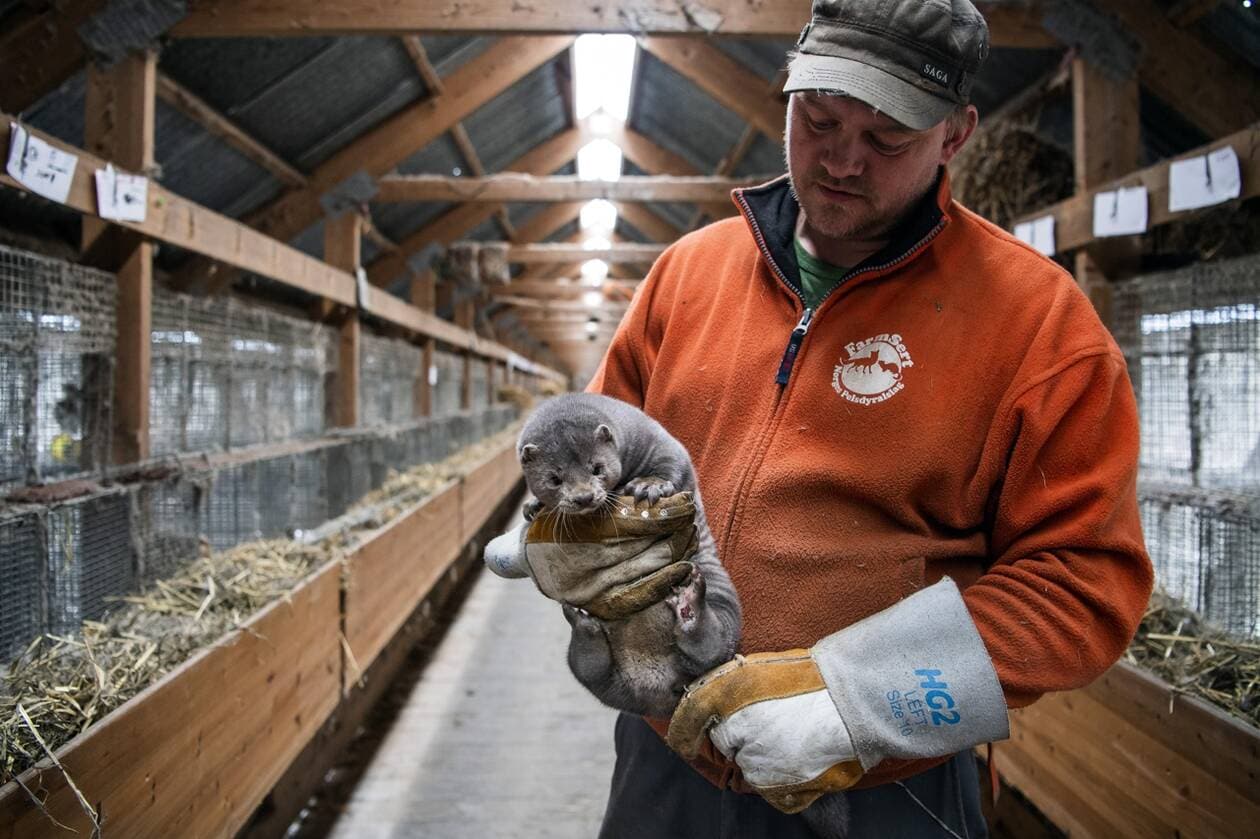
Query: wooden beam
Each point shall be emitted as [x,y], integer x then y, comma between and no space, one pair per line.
[179,222]
[520,187]
[646,221]
[420,58]
[424,298]
[529,254]
[119,125]
[296,18]
[202,113]
[397,138]
[41,51]
[561,289]
[1186,13]
[1074,216]
[563,306]
[547,221]
[655,159]
[343,238]
[723,78]
[543,159]
[1214,90]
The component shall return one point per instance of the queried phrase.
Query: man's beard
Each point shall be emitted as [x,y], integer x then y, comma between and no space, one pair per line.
[859,219]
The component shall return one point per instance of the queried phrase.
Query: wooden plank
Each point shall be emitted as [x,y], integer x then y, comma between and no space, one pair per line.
[647,222]
[395,567]
[520,187]
[485,485]
[401,135]
[543,159]
[568,288]
[202,113]
[635,252]
[343,249]
[41,51]
[194,754]
[1074,216]
[723,78]
[424,298]
[180,222]
[655,159]
[1216,91]
[250,18]
[119,124]
[1111,760]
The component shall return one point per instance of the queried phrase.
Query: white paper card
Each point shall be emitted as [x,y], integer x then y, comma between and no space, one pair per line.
[121,196]
[1039,233]
[41,168]
[432,375]
[1120,213]
[1204,181]
[361,287]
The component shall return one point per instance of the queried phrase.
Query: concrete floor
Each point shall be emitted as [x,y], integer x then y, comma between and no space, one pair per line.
[496,740]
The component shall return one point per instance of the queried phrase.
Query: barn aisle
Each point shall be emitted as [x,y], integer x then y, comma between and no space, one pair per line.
[497,738]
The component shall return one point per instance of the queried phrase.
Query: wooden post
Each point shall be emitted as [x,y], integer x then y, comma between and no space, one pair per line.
[119,127]
[464,320]
[424,296]
[1107,141]
[342,249]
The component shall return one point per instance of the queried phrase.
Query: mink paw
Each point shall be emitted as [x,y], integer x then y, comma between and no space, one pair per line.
[687,600]
[650,490]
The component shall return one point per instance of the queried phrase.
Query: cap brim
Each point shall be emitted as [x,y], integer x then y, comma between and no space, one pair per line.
[909,105]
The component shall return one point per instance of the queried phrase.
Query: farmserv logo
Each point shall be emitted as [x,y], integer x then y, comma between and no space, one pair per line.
[872,370]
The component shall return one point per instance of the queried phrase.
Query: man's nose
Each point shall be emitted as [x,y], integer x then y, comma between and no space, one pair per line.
[842,156]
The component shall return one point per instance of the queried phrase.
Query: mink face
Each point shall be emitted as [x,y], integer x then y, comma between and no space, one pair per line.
[573,467]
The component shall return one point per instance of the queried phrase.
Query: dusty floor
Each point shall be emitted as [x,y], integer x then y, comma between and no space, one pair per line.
[496,739]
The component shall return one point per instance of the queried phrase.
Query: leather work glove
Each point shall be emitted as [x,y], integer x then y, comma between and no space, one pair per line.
[912,681]
[612,563]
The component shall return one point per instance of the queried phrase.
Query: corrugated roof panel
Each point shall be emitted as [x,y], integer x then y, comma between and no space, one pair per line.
[763,56]
[60,113]
[518,119]
[447,53]
[441,157]
[764,157]
[398,221]
[230,73]
[1237,28]
[679,215]
[680,117]
[311,240]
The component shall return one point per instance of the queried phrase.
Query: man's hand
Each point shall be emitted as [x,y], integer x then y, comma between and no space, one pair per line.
[912,681]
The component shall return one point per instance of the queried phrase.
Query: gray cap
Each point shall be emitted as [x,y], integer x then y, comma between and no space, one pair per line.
[915,60]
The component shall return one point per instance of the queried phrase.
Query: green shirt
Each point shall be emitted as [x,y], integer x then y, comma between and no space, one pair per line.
[818,278]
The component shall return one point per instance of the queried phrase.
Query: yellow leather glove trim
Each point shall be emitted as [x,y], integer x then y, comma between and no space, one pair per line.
[792,798]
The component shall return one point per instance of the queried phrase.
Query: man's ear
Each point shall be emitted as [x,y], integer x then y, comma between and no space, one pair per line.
[528,452]
[603,434]
[956,138]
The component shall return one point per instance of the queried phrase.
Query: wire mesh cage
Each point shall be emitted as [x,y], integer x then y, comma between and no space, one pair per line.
[1192,340]
[387,380]
[449,369]
[57,339]
[164,524]
[480,383]
[1220,532]
[91,557]
[22,562]
[226,375]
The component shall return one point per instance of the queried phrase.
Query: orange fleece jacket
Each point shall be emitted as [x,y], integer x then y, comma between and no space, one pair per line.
[955,408]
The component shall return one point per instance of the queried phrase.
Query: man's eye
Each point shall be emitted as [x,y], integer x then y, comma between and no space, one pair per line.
[889,148]
[819,125]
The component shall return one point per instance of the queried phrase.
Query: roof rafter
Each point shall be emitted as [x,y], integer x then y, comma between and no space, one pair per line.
[520,187]
[41,52]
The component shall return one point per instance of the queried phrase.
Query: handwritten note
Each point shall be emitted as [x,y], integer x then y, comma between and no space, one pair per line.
[1122,212]
[121,196]
[433,375]
[1203,181]
[38,166]
[1039,233]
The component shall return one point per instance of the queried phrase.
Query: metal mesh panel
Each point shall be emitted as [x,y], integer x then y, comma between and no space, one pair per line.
[90,557]
[1206,549]
[1192,339]
[21,568]
[480,384]
[387,379]
[164,522]
[57,339]
[450,370]
[275,497]
[229,514]
[310,494]
[226,375]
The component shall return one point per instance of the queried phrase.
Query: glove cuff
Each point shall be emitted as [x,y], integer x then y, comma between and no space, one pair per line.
[914,681]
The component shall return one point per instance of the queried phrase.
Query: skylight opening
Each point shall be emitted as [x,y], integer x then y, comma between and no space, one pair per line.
[594,271]
[599,160]
[599,216]
[603,66]
[593,299]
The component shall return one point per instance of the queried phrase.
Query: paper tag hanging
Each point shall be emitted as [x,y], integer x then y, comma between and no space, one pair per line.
[433,375]
[121,196]
[38,166]
[1039,233]
[1203,181]
[1122,212]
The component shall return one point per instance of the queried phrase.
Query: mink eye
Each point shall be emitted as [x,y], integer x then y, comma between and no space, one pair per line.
[597,469]
[554,481]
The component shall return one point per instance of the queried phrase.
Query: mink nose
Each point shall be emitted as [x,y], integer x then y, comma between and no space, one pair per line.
[584,499]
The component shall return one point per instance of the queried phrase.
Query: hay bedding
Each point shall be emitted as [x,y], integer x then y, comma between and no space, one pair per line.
[60,685]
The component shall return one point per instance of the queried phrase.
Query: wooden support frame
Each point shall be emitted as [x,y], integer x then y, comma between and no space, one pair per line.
[424,298]
[119,124]
[1015,27]
[41,51]
[521,187]
[654,159]
[646,221]
[554,253]
[1074,216]
[180,222]
[343,238]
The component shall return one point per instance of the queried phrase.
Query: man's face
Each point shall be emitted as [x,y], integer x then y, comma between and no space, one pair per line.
[856,172]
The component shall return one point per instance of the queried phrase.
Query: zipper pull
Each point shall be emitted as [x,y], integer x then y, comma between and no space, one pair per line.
[793,347]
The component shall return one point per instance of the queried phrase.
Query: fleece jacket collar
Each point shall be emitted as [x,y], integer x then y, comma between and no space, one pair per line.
[771,211]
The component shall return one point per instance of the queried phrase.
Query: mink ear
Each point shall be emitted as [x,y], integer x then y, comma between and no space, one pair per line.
[528,452]
[603,434]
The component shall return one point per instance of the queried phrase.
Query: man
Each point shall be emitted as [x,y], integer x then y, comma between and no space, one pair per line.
[879,390]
